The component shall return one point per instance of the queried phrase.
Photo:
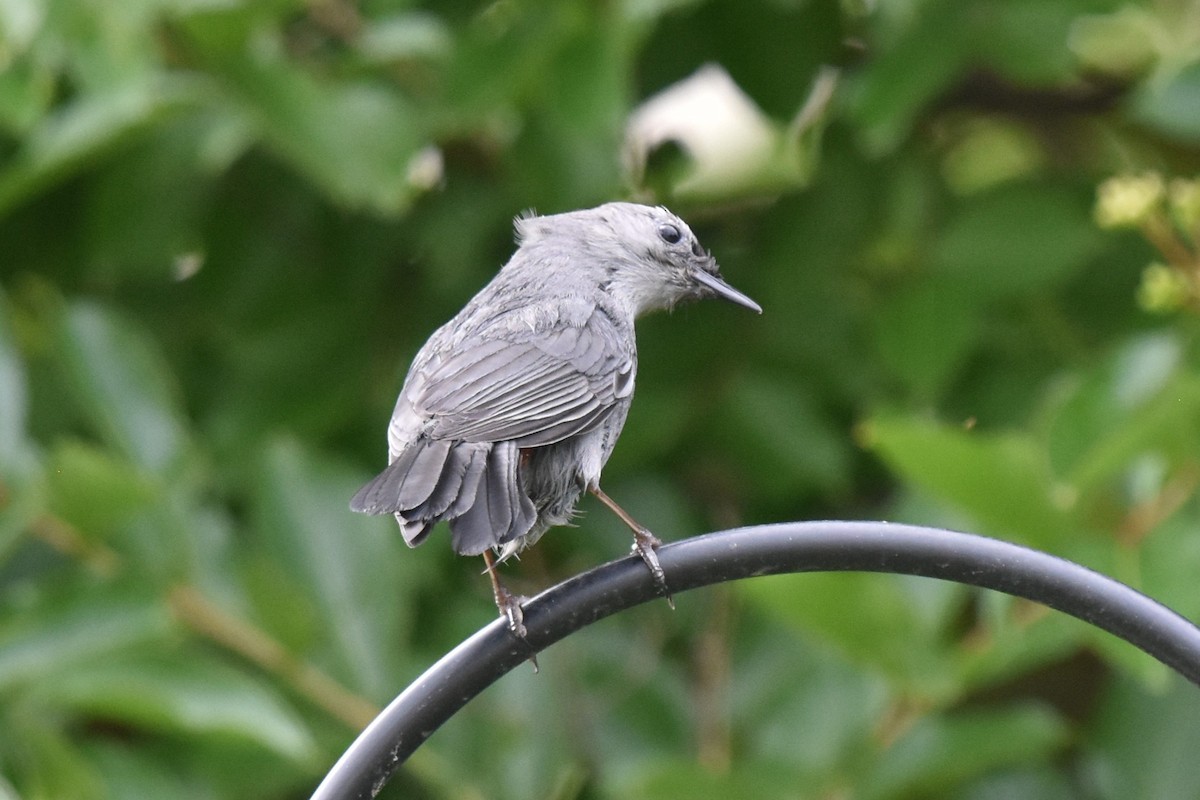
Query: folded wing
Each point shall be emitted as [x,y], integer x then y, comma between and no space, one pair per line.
[512,387]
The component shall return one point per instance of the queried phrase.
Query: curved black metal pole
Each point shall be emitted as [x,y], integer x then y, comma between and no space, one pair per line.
[561,610]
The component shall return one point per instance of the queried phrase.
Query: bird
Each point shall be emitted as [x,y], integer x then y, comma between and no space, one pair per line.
[510,410]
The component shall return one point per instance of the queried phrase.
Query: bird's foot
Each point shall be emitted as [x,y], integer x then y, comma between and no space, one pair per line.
[510,608]
[509,605]
[646,545]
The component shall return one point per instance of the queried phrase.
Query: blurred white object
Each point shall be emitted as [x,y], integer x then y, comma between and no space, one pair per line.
[732,146]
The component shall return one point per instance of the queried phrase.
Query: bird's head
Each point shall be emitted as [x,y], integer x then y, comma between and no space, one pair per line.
[645,256]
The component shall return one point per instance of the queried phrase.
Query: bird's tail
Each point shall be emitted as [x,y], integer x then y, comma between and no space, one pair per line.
[474,485]
[500,511]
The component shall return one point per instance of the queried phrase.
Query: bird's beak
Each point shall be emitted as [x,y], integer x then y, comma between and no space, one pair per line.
[722,289]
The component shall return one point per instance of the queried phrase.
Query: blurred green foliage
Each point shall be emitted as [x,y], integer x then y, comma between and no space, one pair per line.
[225,227]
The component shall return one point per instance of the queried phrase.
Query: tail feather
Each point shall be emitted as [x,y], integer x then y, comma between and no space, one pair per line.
[416,531]
[501,513]
[407,482]
[457,485]
[424,474]
[381,495]
[474,485]
[470,483]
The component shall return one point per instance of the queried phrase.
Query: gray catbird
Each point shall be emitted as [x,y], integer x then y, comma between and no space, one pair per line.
[511,409]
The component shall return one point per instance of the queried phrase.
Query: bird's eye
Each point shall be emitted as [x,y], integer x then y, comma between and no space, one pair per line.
[669,234]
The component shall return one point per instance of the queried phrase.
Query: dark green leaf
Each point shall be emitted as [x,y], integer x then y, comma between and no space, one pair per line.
[1138,402]
[43,759]
[874,621]
[776,422]
[20,484]
[72,138]
[1026,40]
[671,780]
[945,750]
[1172,104]
[1016,239]
[124,385]
[92,490]
[76,631]
[923,61]
[1002,481]
[13,392]
[355,140]
[352,567]
[924,333]
[184,694]
[1142,741]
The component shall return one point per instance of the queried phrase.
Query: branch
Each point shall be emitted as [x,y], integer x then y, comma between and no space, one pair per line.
[561,610]
[207,619]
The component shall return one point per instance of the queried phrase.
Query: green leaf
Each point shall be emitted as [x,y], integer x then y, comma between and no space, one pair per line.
[1012,638]
[1001,480]
[13,393]
[1127,659]
[139,226]
[1015,239]
[941,751]
[1171,104]
[69,633]
[132,771]
[1044,780]
[351,567]
[776,423]
[1141,400]
[1169,561]
[1026,40]
[123,385]
[183,693]
[355,139]
[683,779]
[873,620]
[21,495]
[925,331]
[20,21]
[798,701]
[406,36]
[1143,743]
[76,135]
[93,491]
[43,759]
[891,93]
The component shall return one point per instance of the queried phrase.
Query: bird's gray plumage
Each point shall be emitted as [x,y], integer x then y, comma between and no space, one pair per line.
[511,409]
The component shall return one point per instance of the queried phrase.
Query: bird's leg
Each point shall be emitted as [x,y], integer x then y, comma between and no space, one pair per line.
[645,543]
[508,603]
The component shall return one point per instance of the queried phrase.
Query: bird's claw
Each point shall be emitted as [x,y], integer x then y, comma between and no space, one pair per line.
[510,608]
[646,544]
[512,611]
[509,605]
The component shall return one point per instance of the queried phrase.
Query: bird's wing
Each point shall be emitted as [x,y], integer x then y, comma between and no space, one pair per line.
[536,387]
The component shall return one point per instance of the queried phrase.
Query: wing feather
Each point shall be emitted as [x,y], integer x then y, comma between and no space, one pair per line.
[538,386]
